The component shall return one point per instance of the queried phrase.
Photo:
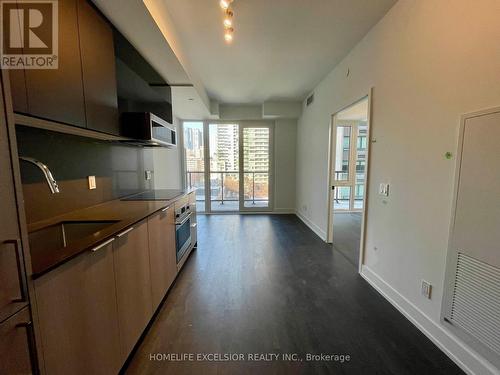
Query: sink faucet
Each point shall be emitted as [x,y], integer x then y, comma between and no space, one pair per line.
[46,172]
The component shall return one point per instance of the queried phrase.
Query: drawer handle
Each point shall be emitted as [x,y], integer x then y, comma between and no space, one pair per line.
[165,209]
[100,246]
[125,232]
[17,247]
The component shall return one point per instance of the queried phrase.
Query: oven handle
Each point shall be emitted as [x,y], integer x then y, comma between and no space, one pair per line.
[178,223]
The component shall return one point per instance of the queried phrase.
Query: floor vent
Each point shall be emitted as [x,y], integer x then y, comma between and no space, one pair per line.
[476,301]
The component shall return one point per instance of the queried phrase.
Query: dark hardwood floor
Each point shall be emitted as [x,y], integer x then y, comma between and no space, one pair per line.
[347,235]
[268,284]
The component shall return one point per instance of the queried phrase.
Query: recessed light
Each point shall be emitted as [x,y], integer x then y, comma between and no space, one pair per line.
[224,4]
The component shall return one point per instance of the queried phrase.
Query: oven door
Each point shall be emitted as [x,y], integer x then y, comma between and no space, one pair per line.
[182,236]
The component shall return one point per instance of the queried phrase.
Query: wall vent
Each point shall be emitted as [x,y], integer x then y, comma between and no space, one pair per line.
[476,301]
[309,100]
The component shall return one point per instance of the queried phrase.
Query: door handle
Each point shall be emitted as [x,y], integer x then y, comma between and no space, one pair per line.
[333,187]
[17,247]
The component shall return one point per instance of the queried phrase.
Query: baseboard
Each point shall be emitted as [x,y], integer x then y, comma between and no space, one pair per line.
[284,211]
[467,359]
[321,233]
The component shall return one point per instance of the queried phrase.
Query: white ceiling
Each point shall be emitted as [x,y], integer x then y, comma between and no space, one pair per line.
[281,48]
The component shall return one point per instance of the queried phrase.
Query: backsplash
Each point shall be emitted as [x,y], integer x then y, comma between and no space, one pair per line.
[119,170]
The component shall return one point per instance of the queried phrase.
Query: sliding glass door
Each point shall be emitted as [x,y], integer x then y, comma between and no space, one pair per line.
[256,161]
[234,172]
[224,167]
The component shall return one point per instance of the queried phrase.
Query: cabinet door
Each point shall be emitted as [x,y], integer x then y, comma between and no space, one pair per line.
[133,284]
[57,94]
[17,346]
[78,317]
[161,229]
[98,64]
[12,288]
[194,221]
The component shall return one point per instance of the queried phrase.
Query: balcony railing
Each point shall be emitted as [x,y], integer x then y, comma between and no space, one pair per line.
[219,183]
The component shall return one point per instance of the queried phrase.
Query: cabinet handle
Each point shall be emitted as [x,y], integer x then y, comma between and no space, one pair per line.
[165,209]
[31,345]
[100,246]
[125,232]
[17,248]
[194,225]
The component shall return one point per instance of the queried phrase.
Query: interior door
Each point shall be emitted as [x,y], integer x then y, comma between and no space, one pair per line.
[256,161]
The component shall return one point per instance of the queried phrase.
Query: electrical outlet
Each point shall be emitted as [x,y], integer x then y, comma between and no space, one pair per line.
[148,175]
[426,289]
[92,183]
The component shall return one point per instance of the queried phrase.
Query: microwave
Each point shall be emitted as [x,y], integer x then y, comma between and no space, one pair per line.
[148,129]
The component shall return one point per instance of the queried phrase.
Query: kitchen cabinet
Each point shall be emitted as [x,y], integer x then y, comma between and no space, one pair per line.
[17,346]
[57,94]
[78,317]
[13,293]
[82,90]
[98,69]
[133,284]
[194,223]
[161,231]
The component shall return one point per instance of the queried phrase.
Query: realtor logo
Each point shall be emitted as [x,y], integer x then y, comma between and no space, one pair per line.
[29,34]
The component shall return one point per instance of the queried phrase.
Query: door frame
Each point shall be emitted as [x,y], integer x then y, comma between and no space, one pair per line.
[331,157]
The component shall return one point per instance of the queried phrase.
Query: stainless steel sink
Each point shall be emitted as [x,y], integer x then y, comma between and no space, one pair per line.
[64,233]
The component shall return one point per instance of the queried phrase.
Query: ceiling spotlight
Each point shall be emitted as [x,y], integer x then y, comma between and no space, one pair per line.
[224,4]
[228,35]
[228,18]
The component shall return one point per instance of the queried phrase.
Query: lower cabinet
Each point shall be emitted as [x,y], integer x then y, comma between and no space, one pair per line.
[17,345]
[161,230]
[78,317]
[133,284]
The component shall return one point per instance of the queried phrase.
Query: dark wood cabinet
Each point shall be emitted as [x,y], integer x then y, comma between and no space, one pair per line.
[17,345]
[57,94]
[13,294]
[161,231]
[82,90]
[78,315]
[98,70]
[133,284]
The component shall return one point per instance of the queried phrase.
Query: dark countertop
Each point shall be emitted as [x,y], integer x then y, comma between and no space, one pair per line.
[125,213]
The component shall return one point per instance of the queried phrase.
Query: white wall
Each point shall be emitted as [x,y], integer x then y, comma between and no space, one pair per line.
[167,164]
[285,140]
[428,61]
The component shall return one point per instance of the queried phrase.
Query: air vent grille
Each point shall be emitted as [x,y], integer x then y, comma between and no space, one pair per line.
[309,100]
[476,300]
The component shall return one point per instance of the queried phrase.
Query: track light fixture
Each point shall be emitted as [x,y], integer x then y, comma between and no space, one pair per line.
[228,20]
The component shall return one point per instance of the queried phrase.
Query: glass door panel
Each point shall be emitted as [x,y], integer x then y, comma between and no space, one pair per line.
[224,167]
[256,167]
[342,153]
[194,156]
[359,187]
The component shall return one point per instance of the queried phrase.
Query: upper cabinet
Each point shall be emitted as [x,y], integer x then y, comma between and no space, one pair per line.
[82,91]
[57,94]
[98,68]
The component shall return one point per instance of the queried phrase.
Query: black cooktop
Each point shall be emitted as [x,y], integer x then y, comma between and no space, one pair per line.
[155,195]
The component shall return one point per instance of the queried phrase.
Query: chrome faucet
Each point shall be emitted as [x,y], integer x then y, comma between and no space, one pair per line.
[46,172]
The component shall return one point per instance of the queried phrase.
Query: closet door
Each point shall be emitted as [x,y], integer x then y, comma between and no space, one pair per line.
[473,277]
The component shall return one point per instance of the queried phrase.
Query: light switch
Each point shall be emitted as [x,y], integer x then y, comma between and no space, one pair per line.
[383,190]
[92,183]
[147,175]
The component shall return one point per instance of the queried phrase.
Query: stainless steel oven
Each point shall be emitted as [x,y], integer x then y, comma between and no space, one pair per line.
[182,230]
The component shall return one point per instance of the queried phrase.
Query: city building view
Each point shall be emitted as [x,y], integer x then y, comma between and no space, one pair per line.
[224,165]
